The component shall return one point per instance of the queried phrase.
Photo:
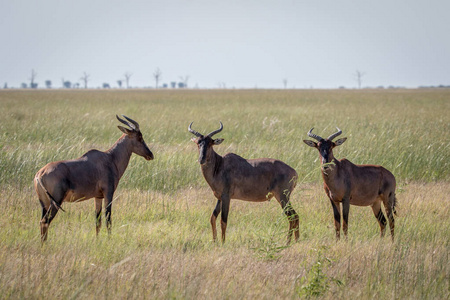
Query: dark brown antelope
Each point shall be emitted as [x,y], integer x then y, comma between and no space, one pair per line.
[96,174]
[361,185]
[255,180]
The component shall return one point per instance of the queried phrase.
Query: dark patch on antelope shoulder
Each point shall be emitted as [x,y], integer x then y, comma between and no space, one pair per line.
[274,183]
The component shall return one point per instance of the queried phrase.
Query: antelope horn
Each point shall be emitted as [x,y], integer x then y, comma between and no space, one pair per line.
[331,137]
[126,123]
[314,136]
[136,125]
[216,131]
[196,133]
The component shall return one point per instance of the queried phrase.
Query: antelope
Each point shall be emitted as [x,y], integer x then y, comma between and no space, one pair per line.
[234,177]
[96,174]
[361,185]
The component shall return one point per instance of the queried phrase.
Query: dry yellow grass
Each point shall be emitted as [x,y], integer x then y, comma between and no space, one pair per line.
[165,250]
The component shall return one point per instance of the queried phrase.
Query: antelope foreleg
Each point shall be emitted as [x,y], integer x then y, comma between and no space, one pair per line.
[213,219]
[98,214]
[337,218]
[223,226]
[224,216]
[345,211]
[108,206]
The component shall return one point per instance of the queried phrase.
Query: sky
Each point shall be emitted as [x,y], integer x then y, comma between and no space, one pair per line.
[232,44]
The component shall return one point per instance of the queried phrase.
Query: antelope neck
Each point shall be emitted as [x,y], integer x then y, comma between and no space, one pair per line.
[329,173]
[121,154]
[212,165]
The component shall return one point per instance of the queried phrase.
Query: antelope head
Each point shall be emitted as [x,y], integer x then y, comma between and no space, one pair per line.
[325,146]
[138,145]
[205,143]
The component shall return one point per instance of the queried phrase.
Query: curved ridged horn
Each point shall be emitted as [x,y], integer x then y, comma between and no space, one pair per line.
[196,133]
[131,125]
[216,131]
[312,135]
[136,125]
[331,137]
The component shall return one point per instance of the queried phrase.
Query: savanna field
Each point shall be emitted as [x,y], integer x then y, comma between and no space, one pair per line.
[161,244]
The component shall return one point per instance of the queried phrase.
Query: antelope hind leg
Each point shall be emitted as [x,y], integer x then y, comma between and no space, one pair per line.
[390,209]
[376,208]
[291,215]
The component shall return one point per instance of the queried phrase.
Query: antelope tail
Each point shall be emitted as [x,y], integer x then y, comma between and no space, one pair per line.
[394,204]
[55,204]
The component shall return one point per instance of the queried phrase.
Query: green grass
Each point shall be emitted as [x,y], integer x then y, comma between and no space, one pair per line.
[406,131]
[161,244]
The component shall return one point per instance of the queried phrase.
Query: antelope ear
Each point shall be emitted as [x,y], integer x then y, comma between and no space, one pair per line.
[340,141]
[124,130]
[194,140]
[218,141]
[310,143]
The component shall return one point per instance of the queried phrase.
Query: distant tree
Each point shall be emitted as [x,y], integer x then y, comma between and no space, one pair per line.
[48,84]
[181,85]
[5,86]
[285,81]
[85,79]
[66,84]
[106,86]
[32,78]
[358,77]
[127,78]
[184,80]
[173,84]
[157,75]
[119,83]
[221,85]
[24,85]
[76,85]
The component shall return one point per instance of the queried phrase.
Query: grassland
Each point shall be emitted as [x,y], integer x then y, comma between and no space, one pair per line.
[161,244]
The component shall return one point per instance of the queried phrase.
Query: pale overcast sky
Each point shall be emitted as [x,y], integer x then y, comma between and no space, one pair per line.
[242,44]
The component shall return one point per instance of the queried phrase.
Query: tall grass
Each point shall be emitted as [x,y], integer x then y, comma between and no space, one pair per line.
[161,242]
[406,131]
